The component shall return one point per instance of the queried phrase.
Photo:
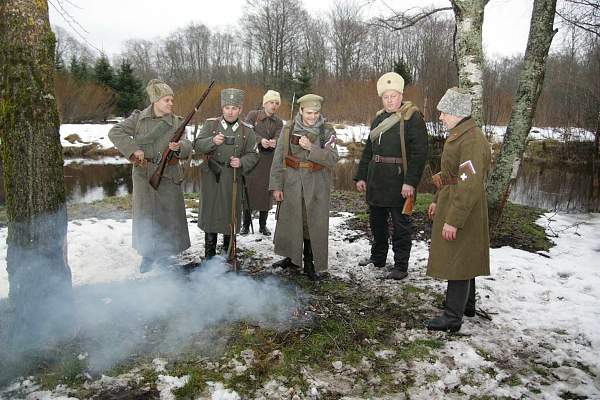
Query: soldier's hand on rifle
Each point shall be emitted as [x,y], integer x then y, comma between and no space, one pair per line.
[361,186]
[235,162]
[265,143]
[431,210]
[219,139]
[305,143]
[174,146]
[407,191]
[277,195]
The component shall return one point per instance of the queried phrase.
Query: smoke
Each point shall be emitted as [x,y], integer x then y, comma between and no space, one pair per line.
[168,311]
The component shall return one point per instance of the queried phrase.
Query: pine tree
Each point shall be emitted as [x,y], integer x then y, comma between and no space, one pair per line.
[303,81]
[130,93]
[400,67]
[103,72]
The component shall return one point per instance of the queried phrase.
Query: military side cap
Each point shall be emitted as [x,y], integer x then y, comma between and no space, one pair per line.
[157,89]
[457,102]
[390,81]
[310,102]
[232,97]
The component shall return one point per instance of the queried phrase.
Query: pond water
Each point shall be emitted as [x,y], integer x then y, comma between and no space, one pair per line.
[540,185]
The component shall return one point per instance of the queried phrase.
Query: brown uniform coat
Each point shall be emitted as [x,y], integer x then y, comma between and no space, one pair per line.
[312,188]
[159,219]
[265,127]
[465,159]
[216,197]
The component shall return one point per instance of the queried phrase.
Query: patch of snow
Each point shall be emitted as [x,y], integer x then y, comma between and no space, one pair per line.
[165,384]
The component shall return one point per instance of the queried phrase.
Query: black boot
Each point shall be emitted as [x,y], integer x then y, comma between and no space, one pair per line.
[456,299]
[470,307]
[210,245]
[397,274]
[309,265]
[226,240]
[246,223]
[262,221]
[146,264]
[285,263]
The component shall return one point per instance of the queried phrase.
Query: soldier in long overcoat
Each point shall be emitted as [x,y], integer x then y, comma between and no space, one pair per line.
[159,219]
[381,172]
[228,145]
[301,180]
[267,127]
[459,239]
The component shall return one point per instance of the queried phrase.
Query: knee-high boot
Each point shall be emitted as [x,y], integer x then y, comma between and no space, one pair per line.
[309,265]
[210,244]
[456,299]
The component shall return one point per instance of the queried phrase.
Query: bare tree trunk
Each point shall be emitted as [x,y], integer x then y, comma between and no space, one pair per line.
[531,81]
[469,50]
[38,273]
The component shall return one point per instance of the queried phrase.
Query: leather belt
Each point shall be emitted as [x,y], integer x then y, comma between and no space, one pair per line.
[387,160]
[440,181]
[293,162]
[156,160]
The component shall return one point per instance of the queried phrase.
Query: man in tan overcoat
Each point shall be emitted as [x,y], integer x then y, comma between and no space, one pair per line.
[459,239]
[301,179]
[267,127]
[159,220]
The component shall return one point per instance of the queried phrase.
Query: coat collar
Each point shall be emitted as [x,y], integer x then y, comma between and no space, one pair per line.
[263,115]
[234,127]
[461,128]
[149,113]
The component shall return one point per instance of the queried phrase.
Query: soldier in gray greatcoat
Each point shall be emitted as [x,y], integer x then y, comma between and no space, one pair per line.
[159,220]
[227,143]
[301,179]
[267,127]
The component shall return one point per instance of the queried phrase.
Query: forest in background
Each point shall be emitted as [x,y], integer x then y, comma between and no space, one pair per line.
[339,55]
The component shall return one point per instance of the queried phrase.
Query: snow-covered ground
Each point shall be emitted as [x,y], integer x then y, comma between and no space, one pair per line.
[545,308]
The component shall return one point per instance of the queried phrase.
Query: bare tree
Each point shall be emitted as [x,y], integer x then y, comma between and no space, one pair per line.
[38,273]
[584,14]
[348,31]
[531,82]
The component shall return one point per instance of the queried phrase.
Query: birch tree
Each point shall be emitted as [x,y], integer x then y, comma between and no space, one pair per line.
[38,273]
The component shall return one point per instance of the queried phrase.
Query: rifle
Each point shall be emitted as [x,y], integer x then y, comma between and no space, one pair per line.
[247,208]
[232,251]
[291,131]
[168,154]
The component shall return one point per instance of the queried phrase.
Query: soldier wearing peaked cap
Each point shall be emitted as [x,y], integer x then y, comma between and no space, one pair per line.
[267,127]
[301,177]
[459,239]
[388,176]
[157,214]
[226,143]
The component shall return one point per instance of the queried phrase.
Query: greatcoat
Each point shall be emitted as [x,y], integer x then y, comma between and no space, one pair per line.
[303,185]
[159,218]
[215,212]
[462,203]
[265,127]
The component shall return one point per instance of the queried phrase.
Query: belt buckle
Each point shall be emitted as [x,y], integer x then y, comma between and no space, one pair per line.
[377,158]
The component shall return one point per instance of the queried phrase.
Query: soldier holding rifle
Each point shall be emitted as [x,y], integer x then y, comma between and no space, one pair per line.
[301,178]
[159,220]
[227,144]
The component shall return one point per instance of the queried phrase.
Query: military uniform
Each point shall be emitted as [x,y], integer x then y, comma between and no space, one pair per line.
[305,177]
[159,219]
[265,127]
[217,176]
[461,202]
[382,169]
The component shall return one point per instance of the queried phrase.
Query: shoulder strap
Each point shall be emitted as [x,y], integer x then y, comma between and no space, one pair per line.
[403,148]
[256,119]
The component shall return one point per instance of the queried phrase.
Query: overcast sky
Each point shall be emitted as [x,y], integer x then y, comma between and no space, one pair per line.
[109,23]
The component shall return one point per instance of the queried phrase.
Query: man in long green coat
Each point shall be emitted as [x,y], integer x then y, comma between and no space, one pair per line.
[228,145]
[460,239]
[301,178]
[159,220]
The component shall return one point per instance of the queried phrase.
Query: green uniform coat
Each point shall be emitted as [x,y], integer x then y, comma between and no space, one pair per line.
[384,181]
[214,214]
[159,219]
[463,205]
[312,188]
[265,127]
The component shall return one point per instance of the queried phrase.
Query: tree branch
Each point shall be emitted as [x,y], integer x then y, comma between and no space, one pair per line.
[403,20]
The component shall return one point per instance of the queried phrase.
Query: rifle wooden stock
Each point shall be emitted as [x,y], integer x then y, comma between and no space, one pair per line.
[232,227]
[168,153]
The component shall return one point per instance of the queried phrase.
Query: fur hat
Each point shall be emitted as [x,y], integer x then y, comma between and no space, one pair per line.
[390,81]
[232,97]
[457,102]
[157,89]
[271,95]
